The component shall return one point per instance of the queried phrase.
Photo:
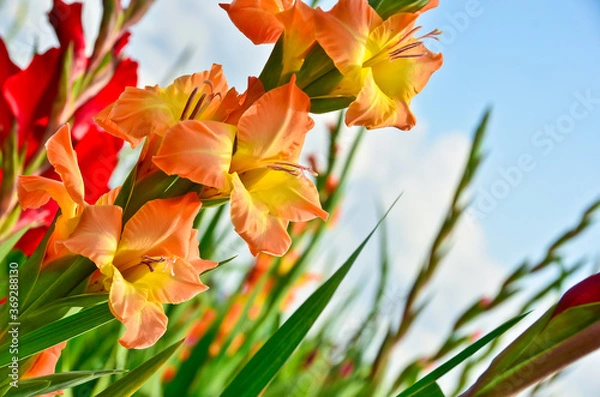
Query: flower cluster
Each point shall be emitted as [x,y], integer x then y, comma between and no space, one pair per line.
[204,143]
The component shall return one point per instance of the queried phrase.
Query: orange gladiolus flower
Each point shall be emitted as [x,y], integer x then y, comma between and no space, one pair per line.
[384,65]
[265,21]
[153,260]
[139,113]
[45,364]
[268,188]
[35,191]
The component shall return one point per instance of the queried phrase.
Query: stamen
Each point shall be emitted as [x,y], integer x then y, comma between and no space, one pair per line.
[210,84]
[399,52]
[409,34]
[405,48]
[204,100]
[151,261]
[291,168]
[196,110]
[431,35]
[188,103]
[409,56]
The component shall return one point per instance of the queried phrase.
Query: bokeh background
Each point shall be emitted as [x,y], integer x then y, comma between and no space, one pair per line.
[534,62]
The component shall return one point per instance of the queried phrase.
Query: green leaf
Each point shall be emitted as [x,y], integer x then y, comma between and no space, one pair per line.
[271,73]
[49,312]
[33,388]
[325,105]
[127,189]
[263,366]
[55,382]
[56,332]
[30,270]
[387,8]
[131,382]
[443,369]
[432,390]
[547,346]
[10,242]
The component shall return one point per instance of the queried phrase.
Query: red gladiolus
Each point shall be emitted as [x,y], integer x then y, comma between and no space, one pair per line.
[586,291]
[28,100]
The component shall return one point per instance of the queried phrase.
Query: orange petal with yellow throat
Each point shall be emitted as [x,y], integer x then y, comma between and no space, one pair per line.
[343,32]
[256,19]
[136,114]
[291,197]
[145,321]
[374,109]
[262,231]
[64,160]
[199,151]
[97,234]
[273,128]
[159,228]
[172,281]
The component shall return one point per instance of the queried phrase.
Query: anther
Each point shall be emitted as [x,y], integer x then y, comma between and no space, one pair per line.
[291,168]
[196,110]
[188,103]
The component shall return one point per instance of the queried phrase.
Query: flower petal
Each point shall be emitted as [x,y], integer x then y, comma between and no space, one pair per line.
[34,191]
[403,78]
[145,328]
[171,283]
[256,19]
[30,95]
[193,256]
[343,32]
[198,150]
[97,154]
[290,197]
[124,75]
[45,362]
[97,234]
[66,21]
[273,128]
[136,114]
[582,293]
[145,321]
[210,82]
[64,160]
[159,227]
[7,69]
[298,35]
[262,231]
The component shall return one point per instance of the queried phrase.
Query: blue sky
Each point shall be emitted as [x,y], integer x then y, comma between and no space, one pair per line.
[528,60]
[531,61]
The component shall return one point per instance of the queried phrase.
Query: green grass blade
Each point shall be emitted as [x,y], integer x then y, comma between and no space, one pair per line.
[55,382]
[263,366]
[432,390]
[10,242]
[443,369]
[131,382]
[59,331]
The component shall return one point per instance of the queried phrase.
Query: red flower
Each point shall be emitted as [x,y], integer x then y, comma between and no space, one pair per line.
[586,291]
[27,98]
